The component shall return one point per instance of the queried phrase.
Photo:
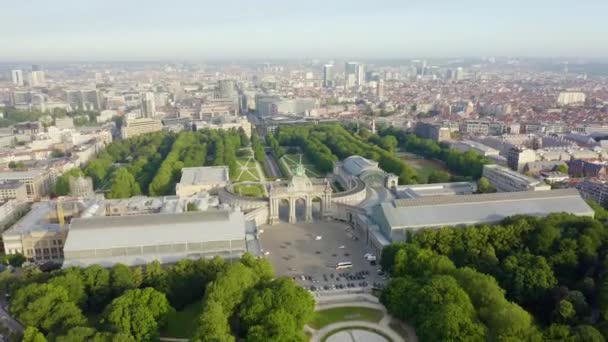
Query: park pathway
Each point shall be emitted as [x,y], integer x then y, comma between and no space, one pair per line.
[360,300]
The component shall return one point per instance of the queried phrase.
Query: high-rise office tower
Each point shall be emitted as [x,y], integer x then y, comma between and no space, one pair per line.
[75,99]
[148,105]
[36,78]
[328,75]
[380,90]
[354,74]
[350,74]
[225,89]
[91,99]
[360,75]
[17,76]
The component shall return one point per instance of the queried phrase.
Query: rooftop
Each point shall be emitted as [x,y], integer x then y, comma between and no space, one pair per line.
[512,174]
[438,211]
[21,174]
[145,230]
[438,189]
[8,184]
[204,175]
[356,165]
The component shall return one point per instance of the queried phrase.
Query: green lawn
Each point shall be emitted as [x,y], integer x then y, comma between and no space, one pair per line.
[292,160]
[424,167]
[181,324]
[250,190]
[247,171]
[348,313]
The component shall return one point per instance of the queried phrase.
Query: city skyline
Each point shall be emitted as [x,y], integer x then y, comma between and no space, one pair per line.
[185,29]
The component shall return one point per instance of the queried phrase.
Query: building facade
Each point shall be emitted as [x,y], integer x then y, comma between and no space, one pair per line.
[506,180]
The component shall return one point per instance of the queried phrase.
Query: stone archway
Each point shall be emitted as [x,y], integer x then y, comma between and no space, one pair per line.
[283,210]
[299,192]
[316,208]
[301,209]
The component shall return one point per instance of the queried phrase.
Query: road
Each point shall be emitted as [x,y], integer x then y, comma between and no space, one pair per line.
[270,163]
[10,322]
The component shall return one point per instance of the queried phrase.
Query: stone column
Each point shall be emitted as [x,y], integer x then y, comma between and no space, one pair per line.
[273,218]
[308,209]
[325,206]
[292,210]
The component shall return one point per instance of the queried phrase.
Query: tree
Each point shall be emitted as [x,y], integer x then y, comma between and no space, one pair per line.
[139,313]
[527,277]
[123,185]
[97,284]
[484,186]
[46,307]
[122,279]
[279,296]
[16,260]
[389,143]
[601,214]
[31,334]
[62,187]
[564,311]
[438,176]
[74,286]
[155,277]
[563,168]
[277,326]
[213,324]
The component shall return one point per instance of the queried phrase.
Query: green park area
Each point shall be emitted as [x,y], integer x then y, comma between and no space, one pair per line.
[326,317]
[246,170]
[181,324]
[290,162]
[250,190]
[424,167]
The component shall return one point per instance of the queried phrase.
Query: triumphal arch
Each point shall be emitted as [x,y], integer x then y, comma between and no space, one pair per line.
[299,188]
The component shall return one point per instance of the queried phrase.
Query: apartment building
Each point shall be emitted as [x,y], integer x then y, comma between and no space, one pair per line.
[506,180]
[136,127]
[594,189]
[38,183]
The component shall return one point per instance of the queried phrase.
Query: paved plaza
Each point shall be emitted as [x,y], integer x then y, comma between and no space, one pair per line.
[296,251]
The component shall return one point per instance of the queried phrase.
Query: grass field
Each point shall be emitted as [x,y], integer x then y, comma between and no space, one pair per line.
[292,160]
[248,171]
[348,313]
[423,166]
[181,324]
[250,190]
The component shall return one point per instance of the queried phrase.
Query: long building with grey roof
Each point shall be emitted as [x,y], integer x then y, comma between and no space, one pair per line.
[141,239]
[396,218]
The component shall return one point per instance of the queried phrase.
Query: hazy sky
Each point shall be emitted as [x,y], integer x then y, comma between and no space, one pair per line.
[202,29]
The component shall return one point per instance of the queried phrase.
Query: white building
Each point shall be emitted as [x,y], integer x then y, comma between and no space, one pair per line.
[507,180]
[568,98]
[204,178]
[134,127]
[17,77]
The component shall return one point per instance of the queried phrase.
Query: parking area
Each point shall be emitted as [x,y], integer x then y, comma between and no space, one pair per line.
[310,252]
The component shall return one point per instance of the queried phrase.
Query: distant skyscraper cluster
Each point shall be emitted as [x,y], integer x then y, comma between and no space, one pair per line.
[354,74]
[35,78]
